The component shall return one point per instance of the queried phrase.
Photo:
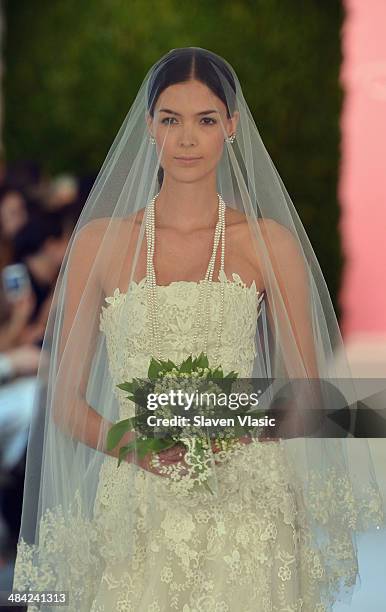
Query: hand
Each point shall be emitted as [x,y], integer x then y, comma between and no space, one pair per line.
[241,439]
[173,454]
[24,359]
[167,457]
[23,307]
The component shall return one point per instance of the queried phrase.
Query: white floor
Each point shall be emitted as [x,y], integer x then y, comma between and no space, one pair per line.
[370,595]
[367,356]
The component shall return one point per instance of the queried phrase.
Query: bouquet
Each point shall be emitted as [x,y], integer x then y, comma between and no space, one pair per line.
[163,376]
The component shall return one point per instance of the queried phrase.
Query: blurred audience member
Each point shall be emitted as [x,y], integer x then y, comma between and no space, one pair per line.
[64,191]
[20,361]
[37,217]
[15,210]
[41,245]
[14,317]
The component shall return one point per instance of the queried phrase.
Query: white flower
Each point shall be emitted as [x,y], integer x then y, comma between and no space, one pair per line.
[166,574]
[233,560]
[178,526]
[284,572]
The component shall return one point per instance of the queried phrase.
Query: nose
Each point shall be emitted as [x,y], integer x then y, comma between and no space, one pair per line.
[188,137]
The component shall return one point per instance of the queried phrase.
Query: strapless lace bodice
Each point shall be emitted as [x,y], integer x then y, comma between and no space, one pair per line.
[128,341]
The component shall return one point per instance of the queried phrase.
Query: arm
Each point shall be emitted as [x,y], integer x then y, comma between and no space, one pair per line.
[71,413]
[35,331]
[13,329]
[298,346]
[292,280]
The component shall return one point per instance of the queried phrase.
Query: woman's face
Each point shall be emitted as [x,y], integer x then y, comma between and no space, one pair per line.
[13,214]
[183,127]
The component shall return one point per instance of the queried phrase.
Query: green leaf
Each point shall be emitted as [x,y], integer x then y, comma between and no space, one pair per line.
[132,386]
[164,443]
[122,454]
[127,386]
[154,368]
[116,432]
[201,361]
[217,373]
[168,365]
[186,366]
[143,446]
[232,375]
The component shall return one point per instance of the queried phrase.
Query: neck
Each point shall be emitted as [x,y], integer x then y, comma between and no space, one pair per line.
[187,206]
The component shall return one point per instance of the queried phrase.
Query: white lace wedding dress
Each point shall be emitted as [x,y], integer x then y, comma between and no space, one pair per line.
[246,550]
[243,551]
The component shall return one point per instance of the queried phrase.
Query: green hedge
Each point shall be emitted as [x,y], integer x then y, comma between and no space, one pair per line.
[73,69]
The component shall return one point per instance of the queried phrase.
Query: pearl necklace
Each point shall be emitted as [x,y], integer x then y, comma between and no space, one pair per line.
[205,284]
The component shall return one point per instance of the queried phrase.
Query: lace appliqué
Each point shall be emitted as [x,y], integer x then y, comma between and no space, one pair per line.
[124,323]
[247,548]
[153,544]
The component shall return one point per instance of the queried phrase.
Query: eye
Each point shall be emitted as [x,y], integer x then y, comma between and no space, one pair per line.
[167,119]
[209,119]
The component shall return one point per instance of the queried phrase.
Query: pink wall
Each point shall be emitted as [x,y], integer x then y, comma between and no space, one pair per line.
[362,186]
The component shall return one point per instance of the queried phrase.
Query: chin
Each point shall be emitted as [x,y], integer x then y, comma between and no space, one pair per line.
[186,175]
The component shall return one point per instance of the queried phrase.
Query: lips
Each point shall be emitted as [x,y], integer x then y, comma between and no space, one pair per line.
[188,158]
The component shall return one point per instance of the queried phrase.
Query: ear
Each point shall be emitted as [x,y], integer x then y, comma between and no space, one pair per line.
[149,123]
[235,121]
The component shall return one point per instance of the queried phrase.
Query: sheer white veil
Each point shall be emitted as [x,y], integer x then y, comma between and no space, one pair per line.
[61,544]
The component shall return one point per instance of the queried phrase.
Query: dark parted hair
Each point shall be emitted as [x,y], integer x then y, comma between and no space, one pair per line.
[39,228]
[187,63]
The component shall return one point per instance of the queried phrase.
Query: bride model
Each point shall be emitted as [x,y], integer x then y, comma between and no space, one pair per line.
[188,244]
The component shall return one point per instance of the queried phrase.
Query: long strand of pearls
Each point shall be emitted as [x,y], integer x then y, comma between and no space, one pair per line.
[150,275]
[205,284]
[219,233]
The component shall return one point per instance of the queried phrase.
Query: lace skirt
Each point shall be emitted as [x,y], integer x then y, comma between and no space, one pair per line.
[248,549]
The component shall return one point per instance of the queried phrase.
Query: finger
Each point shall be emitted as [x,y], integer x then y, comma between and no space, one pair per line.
[165,457]
[172,454]
[169,452]
[181,472]
[171,461]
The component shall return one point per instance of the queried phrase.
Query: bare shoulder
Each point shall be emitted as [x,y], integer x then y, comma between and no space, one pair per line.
[234,218]
[267,226]
[92,232]
[275,228]
[275,238]
[277,235]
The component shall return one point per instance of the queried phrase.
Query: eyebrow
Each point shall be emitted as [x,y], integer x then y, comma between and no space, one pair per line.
[172,112]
